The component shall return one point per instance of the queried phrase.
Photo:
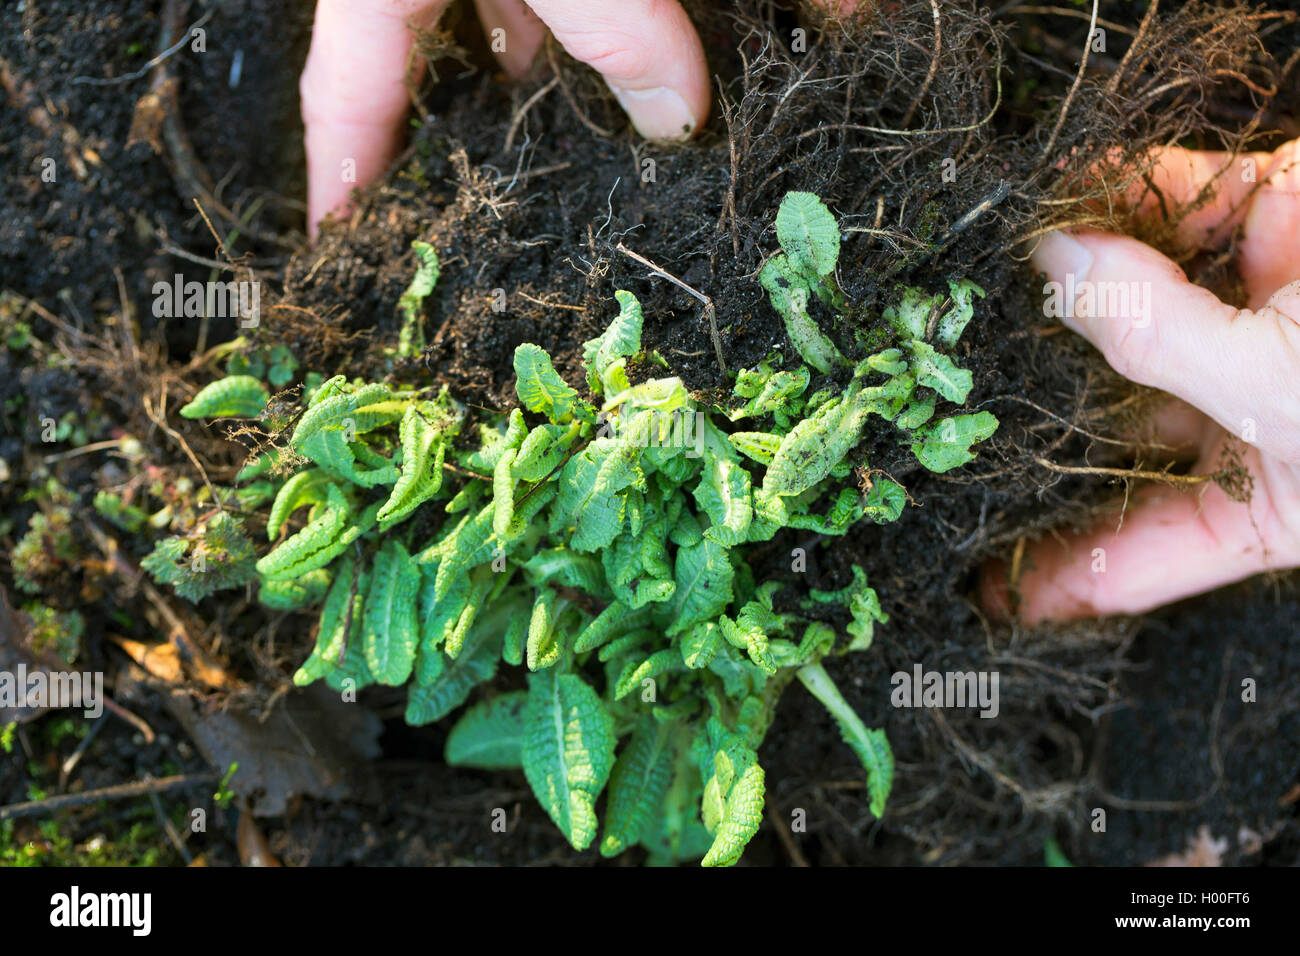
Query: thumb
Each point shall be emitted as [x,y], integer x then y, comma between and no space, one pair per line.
[648,53]
[1156,328]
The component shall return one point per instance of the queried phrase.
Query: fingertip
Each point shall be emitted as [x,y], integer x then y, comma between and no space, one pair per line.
[648,53]
[658,114]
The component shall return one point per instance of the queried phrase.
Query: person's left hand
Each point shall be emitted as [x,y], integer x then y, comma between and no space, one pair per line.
[1236,372]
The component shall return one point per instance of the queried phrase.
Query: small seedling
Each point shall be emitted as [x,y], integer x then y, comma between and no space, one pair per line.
[602,542]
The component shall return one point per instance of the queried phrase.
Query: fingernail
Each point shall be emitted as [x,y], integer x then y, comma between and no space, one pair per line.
[1067,263]
[658,113]
[1060,255]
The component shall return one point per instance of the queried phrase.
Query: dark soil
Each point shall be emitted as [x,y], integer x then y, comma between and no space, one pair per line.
[1140,717]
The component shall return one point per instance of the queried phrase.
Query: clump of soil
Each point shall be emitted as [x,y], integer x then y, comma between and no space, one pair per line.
[939,152]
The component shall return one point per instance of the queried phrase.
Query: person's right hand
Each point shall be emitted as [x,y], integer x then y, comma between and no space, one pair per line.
[1237,373]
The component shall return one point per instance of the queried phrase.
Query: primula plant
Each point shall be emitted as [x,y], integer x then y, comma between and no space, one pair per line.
[600,541]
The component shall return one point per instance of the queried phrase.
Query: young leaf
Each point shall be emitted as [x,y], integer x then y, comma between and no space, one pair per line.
[885,501]
[944,445]
[568,751]
[808,233]
[420,477]
[545,641]
[733,796]
[411,337]
[770,393]
[621,340]
[235,396]
[789,292]
[490,735]
[890,362]
[935,370]
[953,322]
[814,447]
[911,315]
[503,493]
[637,785]
[757,446]
[390,631]
[871,746]
[540,388]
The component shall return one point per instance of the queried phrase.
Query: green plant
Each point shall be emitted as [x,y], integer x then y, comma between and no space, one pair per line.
[224,795]
[601,543]
[55,632]
[216,555]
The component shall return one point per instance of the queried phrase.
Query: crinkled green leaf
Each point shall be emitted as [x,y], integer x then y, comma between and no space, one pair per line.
[935,370]
[490,735]
[732,806]
[540,388]
[637,785]
[808,233]
[476,664]
[703,575]
[235,396]
[391,630]
[813,447]
[954,321]
[621,340]
[723,493]
[420,476]
[568,751]
[411,338]
[789,293]
[911,315]
[944,445]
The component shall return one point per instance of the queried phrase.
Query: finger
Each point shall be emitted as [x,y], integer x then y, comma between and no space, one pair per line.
[354,93]
[1156,328]
[648,53]
[1176,430]
[514,33]
[1172,544]
[1207,193]
[1269,256]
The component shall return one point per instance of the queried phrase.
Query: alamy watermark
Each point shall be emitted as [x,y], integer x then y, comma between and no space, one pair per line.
[133,911]
[228,300]
[1081,298]
[681,428]
[922,688]
[55,689]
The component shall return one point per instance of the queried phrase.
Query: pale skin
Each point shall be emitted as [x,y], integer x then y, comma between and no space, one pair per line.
[354,87]
[1230,371]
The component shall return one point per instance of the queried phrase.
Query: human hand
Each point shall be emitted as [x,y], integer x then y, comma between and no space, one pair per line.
[1236,372]
[354,86]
